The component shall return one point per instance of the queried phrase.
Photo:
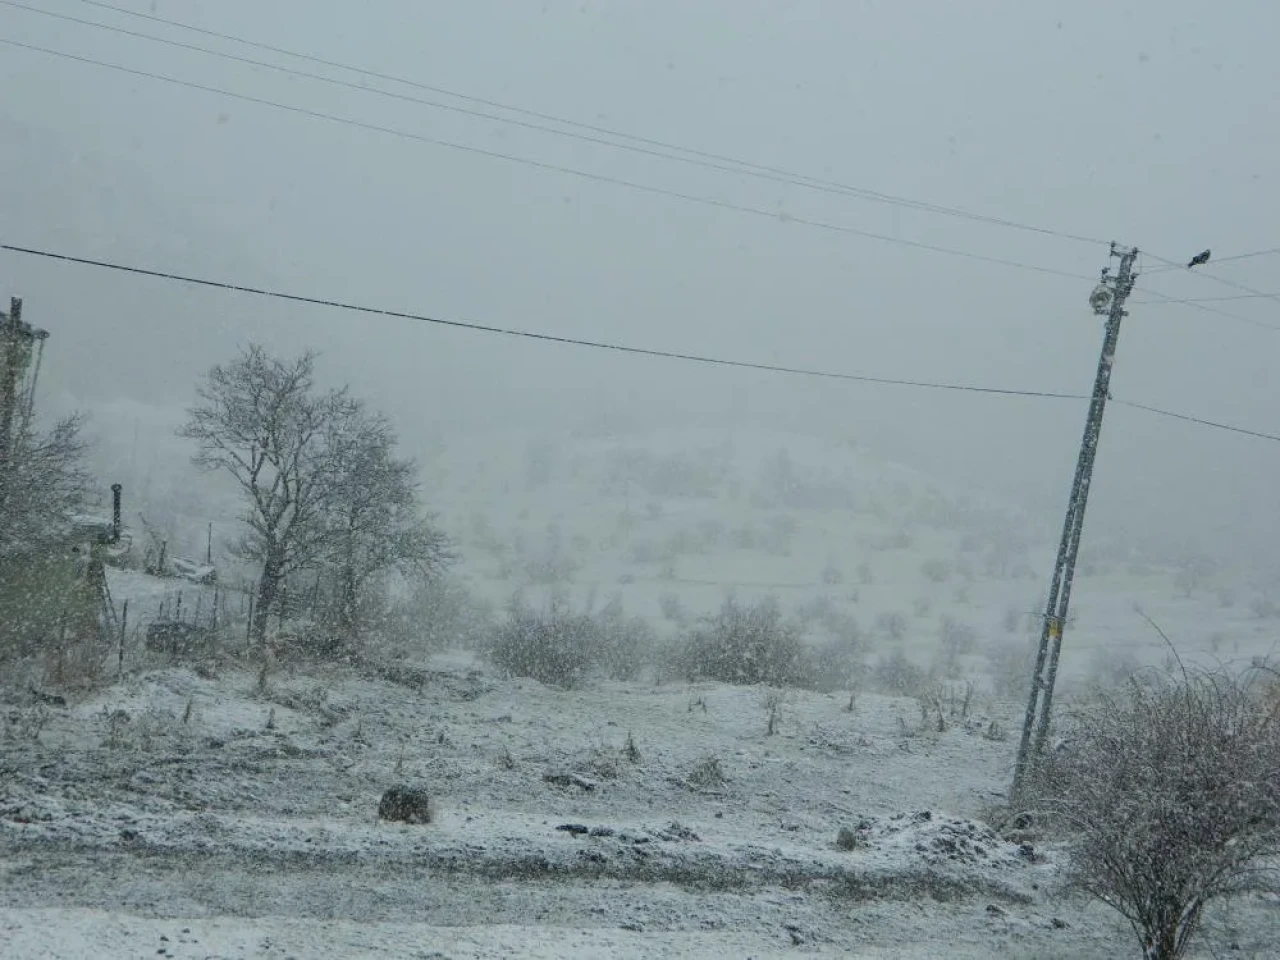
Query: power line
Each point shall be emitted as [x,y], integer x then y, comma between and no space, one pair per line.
[1169,265]
[1198,420]
[604,345]
[714,161]
[1223,280]
[542,165]
[1195,304]
[1222,299]
[529,334]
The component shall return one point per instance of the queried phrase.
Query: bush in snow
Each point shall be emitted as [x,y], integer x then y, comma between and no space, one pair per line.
[896,674]
[831,665]
[745,644]
[438,614]
[553,645]
[1168,799]
[560,647]
[892,625]
[955,640]
[625,645]
[936,571]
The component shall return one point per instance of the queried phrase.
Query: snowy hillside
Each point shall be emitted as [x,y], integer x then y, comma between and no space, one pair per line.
[222,809]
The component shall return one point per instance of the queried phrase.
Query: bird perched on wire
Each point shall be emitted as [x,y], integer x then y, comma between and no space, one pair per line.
[1200,259]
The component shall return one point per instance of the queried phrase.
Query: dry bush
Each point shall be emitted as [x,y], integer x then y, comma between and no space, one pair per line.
[747,645]
[835,664]
[897,674]
[955,640]
[554,645]
[892,625]
[772,700]
[560,647]
[707,774]
[1168,797]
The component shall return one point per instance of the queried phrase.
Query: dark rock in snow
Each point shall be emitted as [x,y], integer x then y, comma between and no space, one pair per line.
[602,831]
[52,699]
[569,780]
[406,805]
[577,829]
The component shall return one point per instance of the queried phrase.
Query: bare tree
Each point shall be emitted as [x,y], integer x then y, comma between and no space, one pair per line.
[262,421]
[374,521]
[1169,792]
[43,482]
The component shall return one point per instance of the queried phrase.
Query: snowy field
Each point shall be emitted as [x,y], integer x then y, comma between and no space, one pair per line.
[216,812]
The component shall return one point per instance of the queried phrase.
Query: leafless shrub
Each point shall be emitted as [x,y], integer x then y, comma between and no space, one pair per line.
[560,647]
[772,699]
[553,645]
[1168,797]
[898,675]
[630,752]
[892,625]
[505,760]
[745,644]
[865,575]
[708,773]
[25,724]
[955,640]
[831,665]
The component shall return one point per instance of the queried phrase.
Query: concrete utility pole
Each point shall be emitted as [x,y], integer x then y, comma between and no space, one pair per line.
[10,372]
[1107,300]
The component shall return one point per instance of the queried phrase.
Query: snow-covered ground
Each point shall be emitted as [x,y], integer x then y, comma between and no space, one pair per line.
[188,813]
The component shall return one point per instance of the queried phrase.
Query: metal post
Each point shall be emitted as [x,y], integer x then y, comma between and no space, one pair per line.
[1109,298]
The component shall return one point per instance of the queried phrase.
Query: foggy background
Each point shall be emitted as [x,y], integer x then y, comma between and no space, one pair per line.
[1151,124]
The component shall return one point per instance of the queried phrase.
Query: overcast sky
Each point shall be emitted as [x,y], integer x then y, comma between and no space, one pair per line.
[1150,123]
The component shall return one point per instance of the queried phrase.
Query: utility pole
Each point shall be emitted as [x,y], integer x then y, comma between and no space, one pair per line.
[1108,300]
[10,348]
[18,343]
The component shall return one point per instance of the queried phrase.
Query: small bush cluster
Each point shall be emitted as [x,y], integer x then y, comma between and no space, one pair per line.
[897,674]
[746,644]
[560,647]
